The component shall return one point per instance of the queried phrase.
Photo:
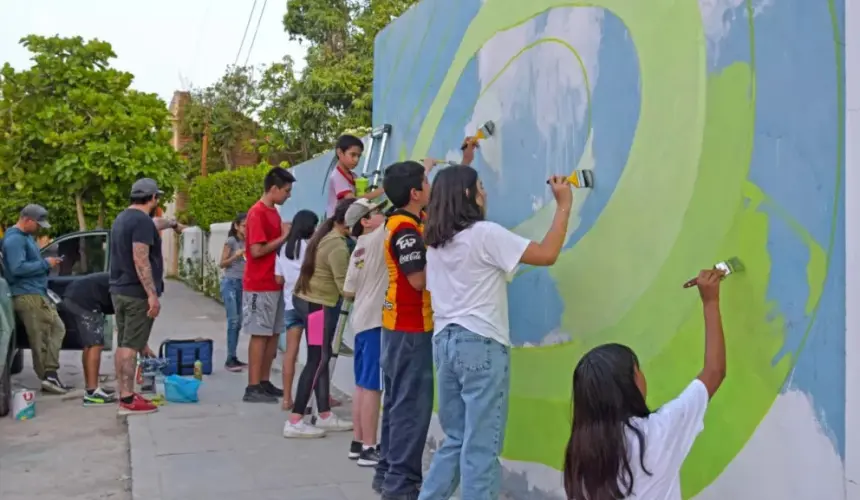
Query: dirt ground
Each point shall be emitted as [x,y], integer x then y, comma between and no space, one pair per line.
[67,452]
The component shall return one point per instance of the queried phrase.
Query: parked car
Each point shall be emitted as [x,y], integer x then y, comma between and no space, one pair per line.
[83,253]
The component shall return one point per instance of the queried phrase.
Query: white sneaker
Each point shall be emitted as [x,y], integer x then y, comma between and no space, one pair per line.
[302,430]
[334,423]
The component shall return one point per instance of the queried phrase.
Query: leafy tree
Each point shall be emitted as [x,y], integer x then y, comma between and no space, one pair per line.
[75,136]
[227,107]
[335,91]
[221,196]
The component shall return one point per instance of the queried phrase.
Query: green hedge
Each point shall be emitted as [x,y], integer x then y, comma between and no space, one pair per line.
[219,197]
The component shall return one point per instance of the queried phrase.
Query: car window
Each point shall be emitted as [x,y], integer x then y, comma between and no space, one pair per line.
[82,255]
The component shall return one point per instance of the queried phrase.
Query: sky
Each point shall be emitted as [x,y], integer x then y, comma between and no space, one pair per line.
[168,45]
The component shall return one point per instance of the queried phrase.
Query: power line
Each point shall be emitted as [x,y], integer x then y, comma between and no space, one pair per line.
[254,38]
[245,34]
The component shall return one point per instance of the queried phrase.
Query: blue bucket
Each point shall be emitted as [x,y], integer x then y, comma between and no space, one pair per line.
[181,390]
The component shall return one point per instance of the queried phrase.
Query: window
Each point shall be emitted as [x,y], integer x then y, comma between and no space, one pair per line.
[82,254]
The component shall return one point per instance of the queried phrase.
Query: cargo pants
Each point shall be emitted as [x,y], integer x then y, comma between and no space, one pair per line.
[45,331]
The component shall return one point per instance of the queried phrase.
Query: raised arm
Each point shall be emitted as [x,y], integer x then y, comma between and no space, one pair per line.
[546,252]
[714,370]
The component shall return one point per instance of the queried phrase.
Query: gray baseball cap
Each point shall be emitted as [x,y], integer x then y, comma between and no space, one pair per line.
[359,209]
[37,213]
[145,187]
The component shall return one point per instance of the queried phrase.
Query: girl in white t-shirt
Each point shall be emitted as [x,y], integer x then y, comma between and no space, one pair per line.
[468,260]
[618,448]
[288,266]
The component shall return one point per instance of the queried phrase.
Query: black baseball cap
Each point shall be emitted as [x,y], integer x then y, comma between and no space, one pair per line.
[145,187]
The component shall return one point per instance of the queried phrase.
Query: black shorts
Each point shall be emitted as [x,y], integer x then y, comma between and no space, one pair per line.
[90,324]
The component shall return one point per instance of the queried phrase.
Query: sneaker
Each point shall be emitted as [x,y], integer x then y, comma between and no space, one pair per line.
[376,485]
[256,394]
[301,430]
[99,397]
[138,406]
[354,450]
[271,390]
[232,365]
[52,384]
[369,458]
[334,423]
[240,363]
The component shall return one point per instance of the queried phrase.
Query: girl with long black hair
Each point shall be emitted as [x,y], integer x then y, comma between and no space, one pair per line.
[618,447]
[233,264]
[468,262]
[319,288]
[287,270]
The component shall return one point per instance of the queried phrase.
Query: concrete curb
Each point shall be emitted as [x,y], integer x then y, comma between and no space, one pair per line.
[146,483]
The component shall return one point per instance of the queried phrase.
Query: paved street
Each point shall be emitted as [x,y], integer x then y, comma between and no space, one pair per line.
[218,448]
[223,448]
[67,452]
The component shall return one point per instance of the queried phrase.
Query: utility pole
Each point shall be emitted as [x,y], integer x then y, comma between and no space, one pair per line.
[205,151]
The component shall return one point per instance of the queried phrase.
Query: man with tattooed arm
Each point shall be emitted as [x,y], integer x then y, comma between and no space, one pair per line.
[136,283]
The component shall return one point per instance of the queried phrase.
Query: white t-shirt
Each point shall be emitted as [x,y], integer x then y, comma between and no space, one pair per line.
[669,435]
[341,183]
[367,278]
[289,270]
[467,279]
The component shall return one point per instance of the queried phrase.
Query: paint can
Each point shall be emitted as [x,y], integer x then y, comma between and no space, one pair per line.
[23,404]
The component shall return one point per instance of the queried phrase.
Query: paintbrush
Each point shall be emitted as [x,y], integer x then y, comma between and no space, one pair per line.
[487,130]
[581,178]
[728,266]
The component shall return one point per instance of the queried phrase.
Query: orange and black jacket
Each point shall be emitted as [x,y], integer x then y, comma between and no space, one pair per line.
[405,309]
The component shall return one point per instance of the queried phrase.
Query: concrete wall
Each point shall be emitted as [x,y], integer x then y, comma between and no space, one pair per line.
[715,128]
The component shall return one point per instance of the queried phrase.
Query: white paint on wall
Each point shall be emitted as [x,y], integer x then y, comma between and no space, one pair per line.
[788,457]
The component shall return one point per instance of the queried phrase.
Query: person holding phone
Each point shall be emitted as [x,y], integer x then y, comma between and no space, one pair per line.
[27,273]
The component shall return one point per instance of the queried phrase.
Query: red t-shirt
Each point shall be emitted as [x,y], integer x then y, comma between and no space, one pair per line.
[262,226]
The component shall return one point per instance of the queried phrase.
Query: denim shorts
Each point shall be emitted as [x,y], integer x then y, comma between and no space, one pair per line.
[293,319]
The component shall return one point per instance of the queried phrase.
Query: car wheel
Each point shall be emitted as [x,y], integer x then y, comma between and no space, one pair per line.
[17,364]
[6,387]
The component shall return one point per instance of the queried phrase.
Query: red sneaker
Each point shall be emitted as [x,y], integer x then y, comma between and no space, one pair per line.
[138,406]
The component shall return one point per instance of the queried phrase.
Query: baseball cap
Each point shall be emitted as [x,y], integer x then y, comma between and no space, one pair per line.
[358,209]
[145,187]
[37,213]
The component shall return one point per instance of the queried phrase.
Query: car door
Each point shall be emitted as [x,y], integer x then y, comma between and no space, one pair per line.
[83,253]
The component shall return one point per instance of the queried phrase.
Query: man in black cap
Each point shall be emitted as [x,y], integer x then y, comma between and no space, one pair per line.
[136,282]
[27,273]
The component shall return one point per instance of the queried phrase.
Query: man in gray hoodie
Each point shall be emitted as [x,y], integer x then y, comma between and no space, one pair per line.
[27,274]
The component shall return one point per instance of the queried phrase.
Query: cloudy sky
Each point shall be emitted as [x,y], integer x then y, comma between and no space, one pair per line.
[166,44]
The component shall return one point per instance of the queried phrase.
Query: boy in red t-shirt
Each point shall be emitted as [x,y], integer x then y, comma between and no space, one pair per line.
[263,297]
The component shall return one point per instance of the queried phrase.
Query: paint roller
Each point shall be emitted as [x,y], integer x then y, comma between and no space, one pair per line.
[728,267]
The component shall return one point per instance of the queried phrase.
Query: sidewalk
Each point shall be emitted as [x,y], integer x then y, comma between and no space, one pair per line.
[222,448]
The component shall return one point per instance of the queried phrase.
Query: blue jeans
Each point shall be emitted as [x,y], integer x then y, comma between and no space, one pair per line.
[473,375]
[407,405]
[231,294]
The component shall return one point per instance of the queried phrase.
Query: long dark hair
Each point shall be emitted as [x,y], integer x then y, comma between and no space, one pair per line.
[310,262]
[605,398]
[302,228]
[453,204]
[234,231]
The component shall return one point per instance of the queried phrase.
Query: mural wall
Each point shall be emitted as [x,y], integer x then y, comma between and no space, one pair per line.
[715,128]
